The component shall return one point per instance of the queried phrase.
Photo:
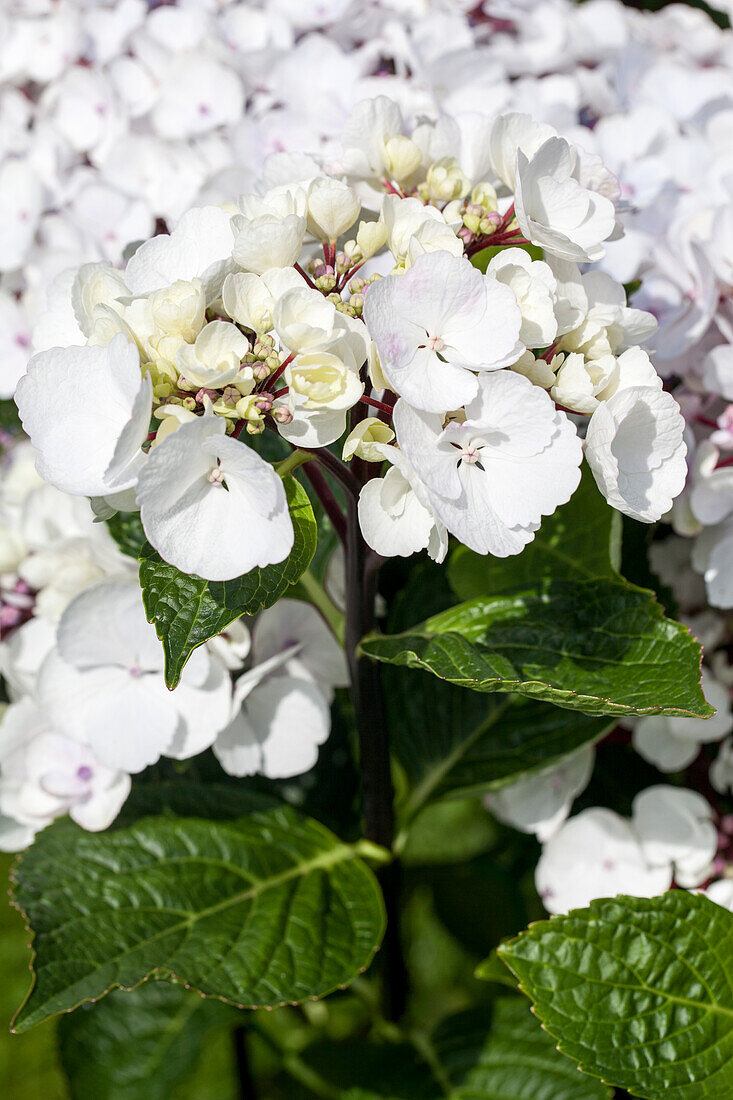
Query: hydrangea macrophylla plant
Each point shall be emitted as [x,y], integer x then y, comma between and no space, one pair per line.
[385,350]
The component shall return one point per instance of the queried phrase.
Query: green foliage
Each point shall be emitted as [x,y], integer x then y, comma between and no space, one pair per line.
[184,798]
[187,610]
[557,624]
[601,647]
[9,416]
[501,1053]
[137,1044]
[453,742]
[127,530]
[494,1053]
[637,991]
[267,910]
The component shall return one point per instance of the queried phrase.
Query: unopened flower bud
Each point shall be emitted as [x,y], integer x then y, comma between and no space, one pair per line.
[230,395]
[471,223]
[261,371]
[401,157]
[370,236]
[322,269]
[490,223]
[282,414]
[325,282]
[366,439]
[255,427]
[333,207]
[445,181]
[204,392]
[484,195]
[263,402]
[189,403]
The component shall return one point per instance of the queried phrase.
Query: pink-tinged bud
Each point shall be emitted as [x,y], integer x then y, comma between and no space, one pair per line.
[230,395]
[188,403]
[203,392]
[726,824]
[323,269]
[263,403]
[476,209]
[282,414]
[494,219]
[465,234]
[255,427]
[261,371]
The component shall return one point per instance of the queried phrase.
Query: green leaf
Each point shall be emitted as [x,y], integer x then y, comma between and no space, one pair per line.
[189,798]
[187,610]
[9,417]
[579,541]
[638,991]
[373,1070]
[127,530]
[493,970]
[449,832]
[137,1045]
[268,910]
[598,646]
[482,259]
[453,742]
[501,1053]
[495,1053]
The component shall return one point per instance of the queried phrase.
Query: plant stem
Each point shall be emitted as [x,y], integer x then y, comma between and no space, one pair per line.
[374,760]
[376,777]
[246,1085]
[320,599]
[297,458]
[331,506]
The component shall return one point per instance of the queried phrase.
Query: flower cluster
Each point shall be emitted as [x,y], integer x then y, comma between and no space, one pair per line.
[549,126]
[249,316]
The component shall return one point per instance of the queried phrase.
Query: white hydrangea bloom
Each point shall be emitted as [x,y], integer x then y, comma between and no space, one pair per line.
[437,324]
[492,477]
[210,505]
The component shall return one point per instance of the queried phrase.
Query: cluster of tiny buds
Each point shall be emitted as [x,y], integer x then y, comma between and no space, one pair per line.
[480,215]
[263,358]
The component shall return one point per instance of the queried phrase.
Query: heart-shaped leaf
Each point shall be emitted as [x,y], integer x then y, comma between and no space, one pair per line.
[270,909]
[637,991]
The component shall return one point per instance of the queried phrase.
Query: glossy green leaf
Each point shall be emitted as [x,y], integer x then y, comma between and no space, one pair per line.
[138,1044]
[453,742]
[637,991]
[187,610]
[579,541]
[601,647]
[267,910]
[191,798]
[127,530]
[502,1053]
